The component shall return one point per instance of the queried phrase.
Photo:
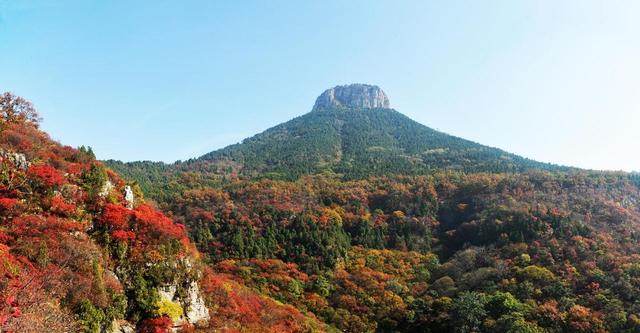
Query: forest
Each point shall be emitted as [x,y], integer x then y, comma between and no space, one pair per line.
[530,248]
[77,256]
[531,252]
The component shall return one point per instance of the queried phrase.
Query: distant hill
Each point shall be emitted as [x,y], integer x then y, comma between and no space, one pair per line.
[373,222]
[358,143]
[352,133]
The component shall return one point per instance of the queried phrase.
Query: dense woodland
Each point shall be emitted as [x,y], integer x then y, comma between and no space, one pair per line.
[529,252]
[478,241]
[75,258]
[345,143]
[375,223]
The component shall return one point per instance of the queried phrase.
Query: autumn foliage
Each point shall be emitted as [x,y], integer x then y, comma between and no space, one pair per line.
[46,175]
[73,258]
[157,325]
[445,251]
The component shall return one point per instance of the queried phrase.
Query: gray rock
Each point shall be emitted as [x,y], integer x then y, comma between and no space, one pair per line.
[17,159]
[107,187]
[121,326]
[197,313]
[167,292]
[359,96]
[195,310]
[128,196]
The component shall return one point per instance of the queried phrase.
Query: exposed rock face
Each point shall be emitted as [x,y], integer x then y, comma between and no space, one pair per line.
[121,326]
[167,292]
[198,311]
[195,311]
[107,187]
[17,159]
[359,96]
[128,196]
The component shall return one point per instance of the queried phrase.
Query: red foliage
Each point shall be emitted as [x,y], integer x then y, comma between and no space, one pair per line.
[157,325]
[8,304]
[115,216]
[239,306]
[18,140]
[35,225]
[77,168]
[46,175]
[45,252]
[8,203]
[155,225]
[123,235]
[59,206]
[115,179]
[4,238]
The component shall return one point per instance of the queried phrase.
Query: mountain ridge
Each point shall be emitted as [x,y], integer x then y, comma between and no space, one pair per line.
[342,136]
[343,219]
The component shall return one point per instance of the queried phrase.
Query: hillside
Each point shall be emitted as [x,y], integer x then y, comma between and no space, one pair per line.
[355,137]
[351,132]
[359,143]
[81,251]
[375,223]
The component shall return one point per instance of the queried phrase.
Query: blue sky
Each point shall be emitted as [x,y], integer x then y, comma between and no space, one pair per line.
[557,81]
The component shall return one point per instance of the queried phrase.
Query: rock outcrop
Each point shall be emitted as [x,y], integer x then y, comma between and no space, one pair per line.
[194,309]
[17,159]
[129,197]
[106,188]
[358,96]
[121,326]
[197,312]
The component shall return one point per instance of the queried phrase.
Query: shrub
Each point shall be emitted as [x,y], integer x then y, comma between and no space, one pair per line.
[8,203]
[170,309]
[45,175]
[90,317]
[157,325]
[536,273]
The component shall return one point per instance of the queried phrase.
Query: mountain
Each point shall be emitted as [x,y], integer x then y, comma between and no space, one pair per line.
[370,222]
[298,235]
[352,133]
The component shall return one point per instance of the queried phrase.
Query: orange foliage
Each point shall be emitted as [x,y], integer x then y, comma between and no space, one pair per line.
[239,309]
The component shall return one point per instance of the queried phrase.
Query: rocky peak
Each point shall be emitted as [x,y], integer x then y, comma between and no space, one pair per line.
[361,96]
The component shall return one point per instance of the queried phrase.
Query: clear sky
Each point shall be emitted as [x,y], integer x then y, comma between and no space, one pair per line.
[557,81]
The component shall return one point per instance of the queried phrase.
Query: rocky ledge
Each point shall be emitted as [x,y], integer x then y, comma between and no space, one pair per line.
[357,96]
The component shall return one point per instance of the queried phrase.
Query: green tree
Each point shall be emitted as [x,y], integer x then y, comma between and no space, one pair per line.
[469,312]
[322,286]
[90,317]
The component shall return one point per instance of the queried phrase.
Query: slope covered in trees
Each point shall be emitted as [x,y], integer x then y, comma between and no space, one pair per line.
[529,252]
[349,143]
[78,253]
[289,233]
[341,138]
[358,143]
[375,223]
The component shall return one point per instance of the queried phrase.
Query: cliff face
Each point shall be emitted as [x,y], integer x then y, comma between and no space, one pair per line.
[357,96]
